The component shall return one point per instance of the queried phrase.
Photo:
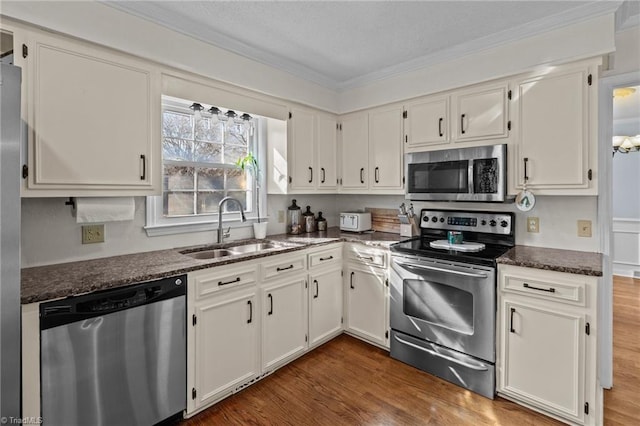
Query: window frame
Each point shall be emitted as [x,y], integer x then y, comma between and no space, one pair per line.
[157,224]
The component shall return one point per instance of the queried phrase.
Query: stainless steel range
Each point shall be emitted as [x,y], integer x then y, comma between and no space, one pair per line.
[443,295]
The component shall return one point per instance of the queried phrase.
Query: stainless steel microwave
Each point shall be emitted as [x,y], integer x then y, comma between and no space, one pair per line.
[461,174]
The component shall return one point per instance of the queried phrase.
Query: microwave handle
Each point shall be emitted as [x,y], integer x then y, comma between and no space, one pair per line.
[410,266]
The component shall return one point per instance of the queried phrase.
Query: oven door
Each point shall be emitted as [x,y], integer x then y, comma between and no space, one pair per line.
[448,303]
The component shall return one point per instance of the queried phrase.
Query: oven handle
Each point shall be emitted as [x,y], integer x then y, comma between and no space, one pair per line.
[433,268]
[448,358]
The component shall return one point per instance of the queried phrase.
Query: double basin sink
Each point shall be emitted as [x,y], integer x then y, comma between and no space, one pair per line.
[233,250]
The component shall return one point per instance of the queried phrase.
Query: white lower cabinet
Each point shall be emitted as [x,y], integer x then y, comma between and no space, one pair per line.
[366,305]
[284,321]
[547,343]
[325,305]
[226,339]
[366,288]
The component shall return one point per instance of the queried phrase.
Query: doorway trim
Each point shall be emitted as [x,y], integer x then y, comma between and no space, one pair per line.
[605,218]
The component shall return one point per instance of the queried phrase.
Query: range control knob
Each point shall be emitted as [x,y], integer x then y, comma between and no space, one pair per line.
[483,222]
[492,223]
[441,219]
[504,224]
[425,218]
[434,219]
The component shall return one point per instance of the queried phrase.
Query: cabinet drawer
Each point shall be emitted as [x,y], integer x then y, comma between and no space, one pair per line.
[284,265]
[213,280]
[325,257]
[362,254]
[546,286]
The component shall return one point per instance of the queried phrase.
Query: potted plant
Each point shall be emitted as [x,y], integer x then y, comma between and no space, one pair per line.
[250,162]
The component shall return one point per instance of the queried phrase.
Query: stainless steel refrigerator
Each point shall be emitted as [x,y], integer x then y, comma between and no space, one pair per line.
[10,388]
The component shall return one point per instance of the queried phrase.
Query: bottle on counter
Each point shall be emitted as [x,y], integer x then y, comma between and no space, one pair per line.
[321,223]
[294,219]
[309,220]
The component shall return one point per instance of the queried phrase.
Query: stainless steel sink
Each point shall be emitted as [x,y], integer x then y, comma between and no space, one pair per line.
[250,248]
[231,250]
[210,254]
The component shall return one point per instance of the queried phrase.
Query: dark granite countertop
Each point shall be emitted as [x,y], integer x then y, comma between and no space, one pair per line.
[570,261]
[43,283]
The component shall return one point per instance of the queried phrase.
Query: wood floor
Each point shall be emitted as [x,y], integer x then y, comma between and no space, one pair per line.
[348,382]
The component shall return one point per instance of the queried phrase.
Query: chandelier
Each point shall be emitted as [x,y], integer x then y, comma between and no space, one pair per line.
[626,144]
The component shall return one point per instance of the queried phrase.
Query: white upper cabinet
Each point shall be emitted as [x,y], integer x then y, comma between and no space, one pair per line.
[94,121]
[427,121]
[355,151]
[327,152]
[556,125]
[301,147]
[480,113]
[312,151]
[385,149]
[372,161]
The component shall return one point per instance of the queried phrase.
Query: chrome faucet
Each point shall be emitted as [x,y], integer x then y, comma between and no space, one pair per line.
[222,234]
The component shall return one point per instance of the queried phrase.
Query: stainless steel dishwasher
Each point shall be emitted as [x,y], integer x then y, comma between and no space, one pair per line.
[115,357]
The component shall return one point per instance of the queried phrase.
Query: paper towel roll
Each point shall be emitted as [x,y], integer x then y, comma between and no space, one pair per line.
[107,209]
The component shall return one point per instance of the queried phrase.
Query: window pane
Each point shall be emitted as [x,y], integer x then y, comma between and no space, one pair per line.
[235,134]
[207,152]
[206,130]
[178,177]
[238,195]
[177,125]
[236,179]
[208,202]
[178,203]
[211,179]
[177,149]
[233,152]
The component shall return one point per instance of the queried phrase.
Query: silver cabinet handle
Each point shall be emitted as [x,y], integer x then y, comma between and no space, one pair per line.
[410,266]
[447,357]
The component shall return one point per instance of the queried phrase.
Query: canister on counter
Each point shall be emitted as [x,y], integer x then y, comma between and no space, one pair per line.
[309,220]
[321,223]
[454,237]
[294,219]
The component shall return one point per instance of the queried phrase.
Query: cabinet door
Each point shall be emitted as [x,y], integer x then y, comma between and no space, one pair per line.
[427,122]
[481,113]
[284,324]
[301,146]
[543,357]
[553,130]
[94,120]
[327,152]
[367,305]
[226,344]
[325,305]
[355,151]
[385,144]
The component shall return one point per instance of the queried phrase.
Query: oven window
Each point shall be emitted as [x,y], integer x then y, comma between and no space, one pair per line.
[439,304]
[485,176]
[444,177]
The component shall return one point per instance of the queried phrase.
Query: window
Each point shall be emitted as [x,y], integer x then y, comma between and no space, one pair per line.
[199,154]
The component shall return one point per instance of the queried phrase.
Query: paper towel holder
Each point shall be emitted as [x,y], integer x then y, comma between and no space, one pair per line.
[71,202]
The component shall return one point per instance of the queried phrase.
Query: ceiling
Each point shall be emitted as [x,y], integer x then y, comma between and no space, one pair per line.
[626,113]
[346,44]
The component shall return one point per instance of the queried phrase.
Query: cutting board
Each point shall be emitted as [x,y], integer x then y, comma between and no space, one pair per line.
[468,247]
[384,220]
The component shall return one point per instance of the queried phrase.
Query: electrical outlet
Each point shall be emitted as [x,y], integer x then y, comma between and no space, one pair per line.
[533,224]
[584,228]
[92,234]
[280,216]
